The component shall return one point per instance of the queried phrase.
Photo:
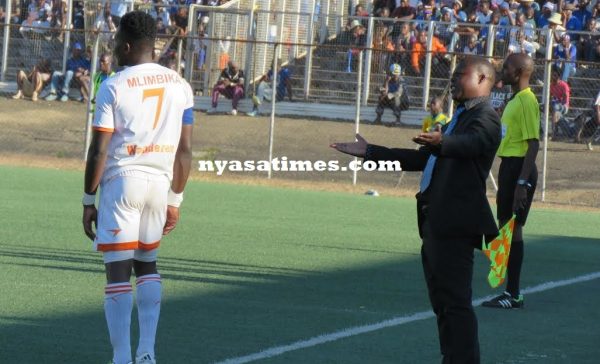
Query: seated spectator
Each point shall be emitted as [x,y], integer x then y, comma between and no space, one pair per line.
[543,18]
[560,94]
[403,46]
[77,66]
[118,8]
[420,50]
[30,85]
[264,86]
[530,17]
[457,13]
[231,85]
[570,22]
[404,11]
[565,54]
[353,37]
[521,38]
[484,13]
[391,95]
[105,72]
[37,21]
[555,23]
[582,13]
[105,26]
[589,43]
[436,117]
[382,49]
[473,46]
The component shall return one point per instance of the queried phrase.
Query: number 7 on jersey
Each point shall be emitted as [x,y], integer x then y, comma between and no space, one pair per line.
[155,92]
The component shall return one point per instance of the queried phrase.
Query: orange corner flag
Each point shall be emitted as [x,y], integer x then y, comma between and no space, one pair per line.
[498,251]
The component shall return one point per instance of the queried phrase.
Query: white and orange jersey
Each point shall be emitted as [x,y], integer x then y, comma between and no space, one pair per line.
[144,106]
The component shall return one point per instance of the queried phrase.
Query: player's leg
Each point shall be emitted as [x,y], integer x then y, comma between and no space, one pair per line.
[119,214]
[21,76]
[148,283]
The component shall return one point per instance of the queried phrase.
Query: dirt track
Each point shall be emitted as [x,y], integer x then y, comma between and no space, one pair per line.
[51,134]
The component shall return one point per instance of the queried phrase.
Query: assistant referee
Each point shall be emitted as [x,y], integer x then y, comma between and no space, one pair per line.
[518,173]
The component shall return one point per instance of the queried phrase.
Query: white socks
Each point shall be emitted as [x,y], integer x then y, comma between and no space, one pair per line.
[148,303]
[118,302]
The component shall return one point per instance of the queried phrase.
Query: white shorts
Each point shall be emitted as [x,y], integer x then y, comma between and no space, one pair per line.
[131,215]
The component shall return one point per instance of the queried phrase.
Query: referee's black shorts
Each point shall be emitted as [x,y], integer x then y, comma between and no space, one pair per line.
[510,169]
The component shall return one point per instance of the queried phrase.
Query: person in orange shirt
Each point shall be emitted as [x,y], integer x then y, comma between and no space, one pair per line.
[420,50]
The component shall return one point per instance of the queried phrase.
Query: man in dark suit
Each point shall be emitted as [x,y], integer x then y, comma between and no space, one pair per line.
[453,211]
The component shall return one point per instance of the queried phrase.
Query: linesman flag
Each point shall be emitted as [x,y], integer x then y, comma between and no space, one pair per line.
[498,251]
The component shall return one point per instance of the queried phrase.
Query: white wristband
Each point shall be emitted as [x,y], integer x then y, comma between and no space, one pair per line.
[88,199]
[174,199]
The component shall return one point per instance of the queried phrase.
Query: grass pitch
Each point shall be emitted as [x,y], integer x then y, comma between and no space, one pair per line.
[249,268]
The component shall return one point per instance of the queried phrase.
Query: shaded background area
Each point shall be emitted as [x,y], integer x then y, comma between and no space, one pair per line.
[253,267]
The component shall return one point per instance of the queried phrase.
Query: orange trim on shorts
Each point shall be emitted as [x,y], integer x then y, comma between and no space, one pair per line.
[106,130]
[149,246]
[126,245]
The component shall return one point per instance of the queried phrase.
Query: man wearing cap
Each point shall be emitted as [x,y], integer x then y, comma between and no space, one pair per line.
[570,22]
[391,94]
[555,23]
[76,65]
[542,19]
[457,13]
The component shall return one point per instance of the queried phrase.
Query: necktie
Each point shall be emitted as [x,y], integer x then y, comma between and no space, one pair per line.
[428,171]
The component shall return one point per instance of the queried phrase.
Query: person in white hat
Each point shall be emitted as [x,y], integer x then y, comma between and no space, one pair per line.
[391,95]
[544,17]
[555,23]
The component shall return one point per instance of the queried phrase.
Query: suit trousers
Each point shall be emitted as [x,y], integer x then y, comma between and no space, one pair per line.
[448,267]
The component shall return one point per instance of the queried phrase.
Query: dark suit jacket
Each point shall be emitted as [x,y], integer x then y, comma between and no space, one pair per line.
[455,202]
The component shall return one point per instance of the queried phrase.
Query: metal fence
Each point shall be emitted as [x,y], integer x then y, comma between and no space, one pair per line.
[337,67]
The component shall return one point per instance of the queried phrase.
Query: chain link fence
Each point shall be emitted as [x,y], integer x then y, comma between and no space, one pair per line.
[336,65]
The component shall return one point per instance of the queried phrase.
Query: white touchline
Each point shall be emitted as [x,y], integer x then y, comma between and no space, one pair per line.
[396,321]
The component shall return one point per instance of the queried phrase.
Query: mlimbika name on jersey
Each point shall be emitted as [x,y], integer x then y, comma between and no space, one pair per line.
[150,80]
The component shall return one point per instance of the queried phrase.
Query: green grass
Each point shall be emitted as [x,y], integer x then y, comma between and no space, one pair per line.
[249,268]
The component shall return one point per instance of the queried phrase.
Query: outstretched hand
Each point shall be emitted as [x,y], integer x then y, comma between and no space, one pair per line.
[357,148]
[431,138]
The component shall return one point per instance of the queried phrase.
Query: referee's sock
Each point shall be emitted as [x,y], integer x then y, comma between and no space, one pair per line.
[513,271]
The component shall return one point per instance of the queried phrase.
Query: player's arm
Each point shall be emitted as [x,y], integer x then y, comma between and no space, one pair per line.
[94,169]
[96,158]
[181,172]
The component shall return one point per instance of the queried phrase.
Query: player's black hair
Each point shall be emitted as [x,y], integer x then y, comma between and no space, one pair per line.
[137,26]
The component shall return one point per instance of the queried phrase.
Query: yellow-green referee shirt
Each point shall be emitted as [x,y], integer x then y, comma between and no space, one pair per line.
[520,122]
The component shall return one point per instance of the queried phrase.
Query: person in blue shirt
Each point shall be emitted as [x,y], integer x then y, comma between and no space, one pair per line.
[542,20]
[77,65]
[284,88]
[571,22]
[582,13]
[566,54]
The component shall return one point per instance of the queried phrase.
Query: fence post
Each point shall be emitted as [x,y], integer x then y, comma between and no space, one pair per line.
[369,55]
[250,49]
[179,53]
[67,39]
[427,70]
[491,39]
[357,113]
[309,55]
[90,110]
[546,100]
[273,100]
[210,50]
[192,28]
[7,29]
